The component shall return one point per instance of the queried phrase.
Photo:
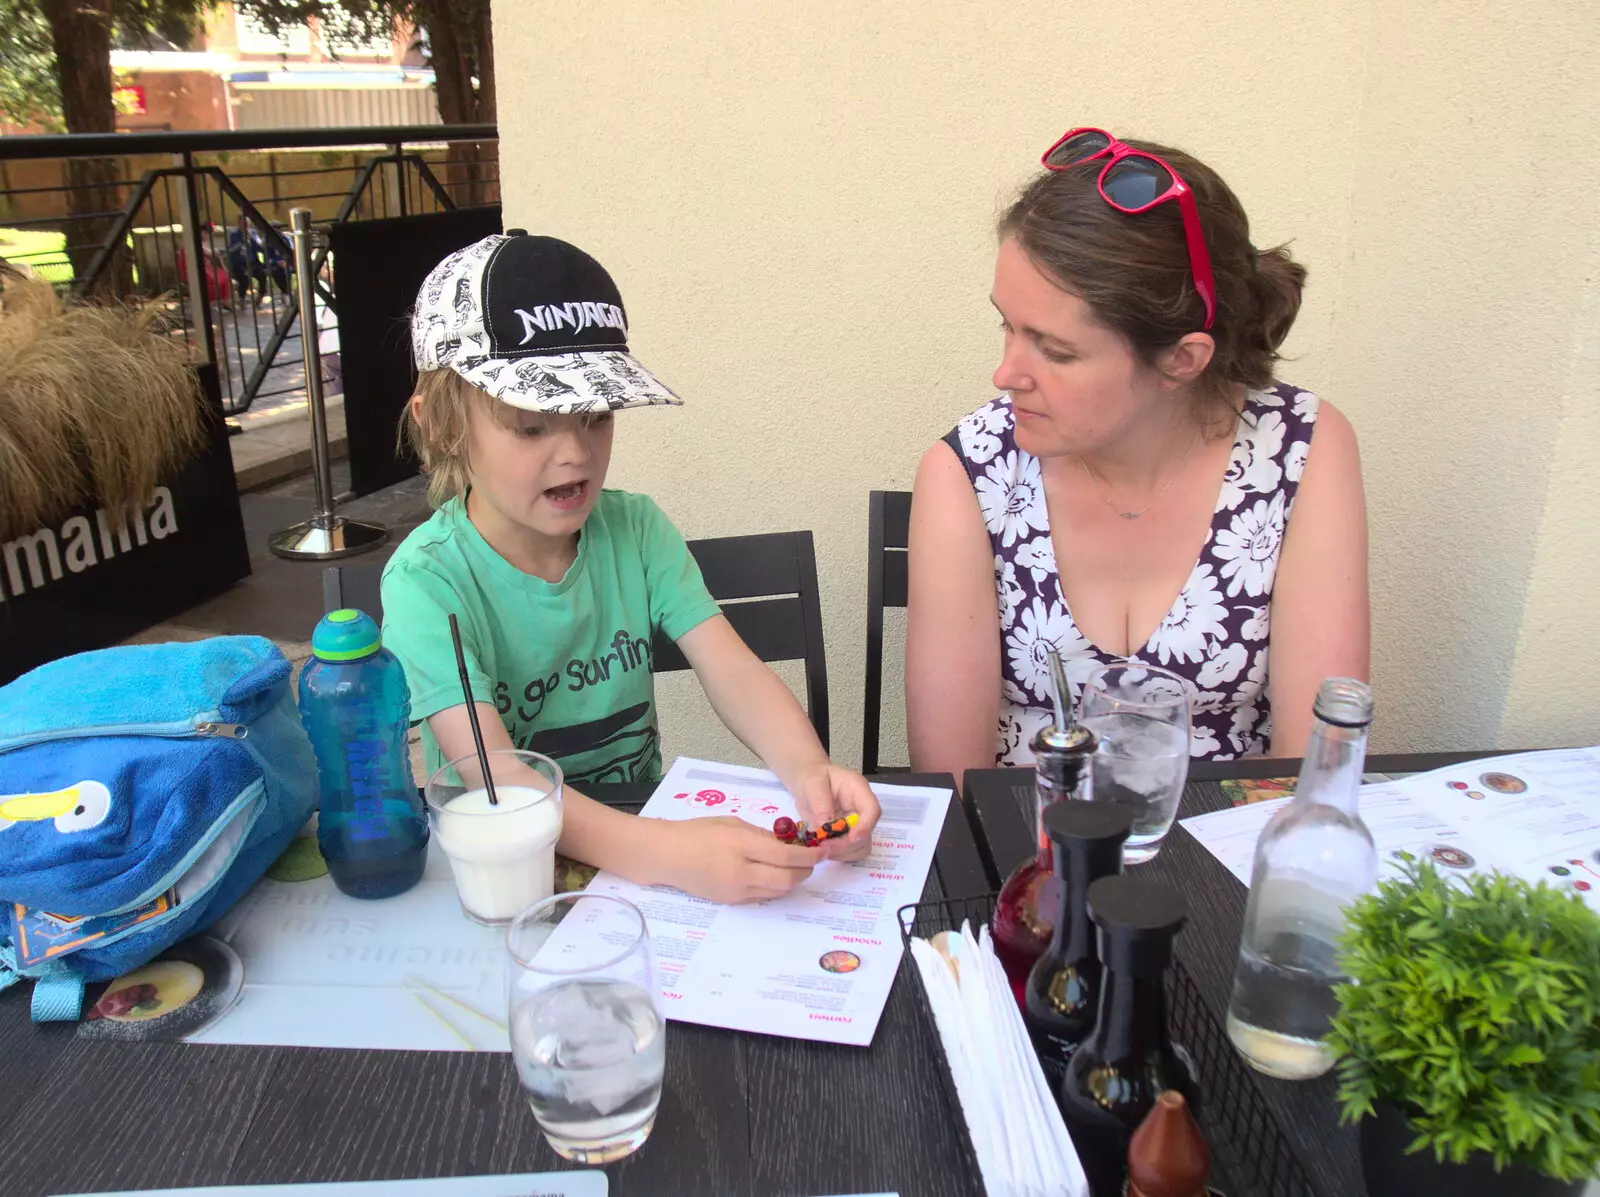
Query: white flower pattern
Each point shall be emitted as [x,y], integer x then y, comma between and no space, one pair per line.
[1008,593]
[1249,547]
[1220,620]
[1255,467]
[1037,556]
[1011,494]
[1041,625]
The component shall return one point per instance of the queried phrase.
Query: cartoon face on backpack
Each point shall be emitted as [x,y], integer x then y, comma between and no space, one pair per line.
[78,807]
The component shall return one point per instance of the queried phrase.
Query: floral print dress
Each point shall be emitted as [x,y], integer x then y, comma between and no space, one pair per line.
[1217,630]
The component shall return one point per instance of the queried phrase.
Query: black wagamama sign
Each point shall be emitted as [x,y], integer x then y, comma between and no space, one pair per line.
[90,580]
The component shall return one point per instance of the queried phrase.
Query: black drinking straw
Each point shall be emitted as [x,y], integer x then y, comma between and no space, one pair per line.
[472,710]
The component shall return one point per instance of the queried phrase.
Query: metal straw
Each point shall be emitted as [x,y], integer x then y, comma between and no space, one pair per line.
[472,710]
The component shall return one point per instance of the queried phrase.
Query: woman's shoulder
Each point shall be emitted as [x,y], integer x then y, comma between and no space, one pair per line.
[1294,407]
[984,434]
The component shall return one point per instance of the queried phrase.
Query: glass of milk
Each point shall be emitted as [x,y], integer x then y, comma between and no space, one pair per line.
[588,1033]
[503,854]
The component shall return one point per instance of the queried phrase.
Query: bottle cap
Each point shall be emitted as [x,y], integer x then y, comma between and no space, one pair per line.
[1138,920]
[1068,823]
[1167,1156]
[346,635]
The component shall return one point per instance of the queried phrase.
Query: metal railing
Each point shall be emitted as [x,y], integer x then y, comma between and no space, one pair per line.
[194,224]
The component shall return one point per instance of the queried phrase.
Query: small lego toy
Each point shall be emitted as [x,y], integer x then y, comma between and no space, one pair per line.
[791,832]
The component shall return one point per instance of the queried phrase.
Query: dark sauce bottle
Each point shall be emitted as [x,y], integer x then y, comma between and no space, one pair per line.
[1064,984]
[1115,1076]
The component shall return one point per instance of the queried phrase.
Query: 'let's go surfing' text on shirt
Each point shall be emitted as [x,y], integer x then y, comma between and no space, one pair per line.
[628,652]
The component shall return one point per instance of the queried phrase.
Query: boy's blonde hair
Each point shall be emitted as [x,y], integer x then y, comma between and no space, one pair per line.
[436,426]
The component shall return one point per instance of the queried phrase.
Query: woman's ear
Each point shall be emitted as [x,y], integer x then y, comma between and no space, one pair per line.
[1183,362]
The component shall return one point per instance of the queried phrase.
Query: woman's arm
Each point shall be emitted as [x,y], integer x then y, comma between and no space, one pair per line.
[1320,624]
[952,628]
[758,708]
[726,860]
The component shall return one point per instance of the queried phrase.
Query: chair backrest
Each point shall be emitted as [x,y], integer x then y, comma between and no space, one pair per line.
[355,586]
[767,587]
[888,530]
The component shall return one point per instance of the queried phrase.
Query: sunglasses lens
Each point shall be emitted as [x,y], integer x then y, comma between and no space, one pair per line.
[1136,182]
[1075,149]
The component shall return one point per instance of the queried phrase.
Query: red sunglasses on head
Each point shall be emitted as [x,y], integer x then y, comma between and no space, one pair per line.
[1134,181]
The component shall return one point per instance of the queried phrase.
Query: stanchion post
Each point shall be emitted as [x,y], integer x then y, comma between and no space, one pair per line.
[327,534]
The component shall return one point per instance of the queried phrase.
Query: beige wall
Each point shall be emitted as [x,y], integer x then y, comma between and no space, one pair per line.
[797,202]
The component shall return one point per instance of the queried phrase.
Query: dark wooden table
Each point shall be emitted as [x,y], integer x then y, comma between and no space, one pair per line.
[1000,804]
[740,1114]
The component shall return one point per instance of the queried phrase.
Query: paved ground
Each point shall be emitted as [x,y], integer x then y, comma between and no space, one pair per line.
[276,440]
[276,444]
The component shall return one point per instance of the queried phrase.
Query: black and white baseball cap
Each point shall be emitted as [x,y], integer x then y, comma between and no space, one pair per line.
[536,323]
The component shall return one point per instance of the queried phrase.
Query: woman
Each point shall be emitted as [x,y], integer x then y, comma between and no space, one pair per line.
[1128,495]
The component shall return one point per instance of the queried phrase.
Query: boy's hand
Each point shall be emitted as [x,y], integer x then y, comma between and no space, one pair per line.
[731,861]
[828,791]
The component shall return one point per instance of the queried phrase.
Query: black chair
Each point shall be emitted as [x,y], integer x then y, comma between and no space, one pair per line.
[767,587]
[765,584]
[888,530]
[353,586]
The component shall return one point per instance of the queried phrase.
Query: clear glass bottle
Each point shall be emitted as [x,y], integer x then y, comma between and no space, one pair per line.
[1115,1076]
[1064,985]
[1314,857]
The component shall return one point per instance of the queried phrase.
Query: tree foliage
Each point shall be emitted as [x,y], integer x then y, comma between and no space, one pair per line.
[456,34]
[29,91]
[43,78]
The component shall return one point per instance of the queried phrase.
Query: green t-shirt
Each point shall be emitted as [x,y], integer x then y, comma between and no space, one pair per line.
[567,664]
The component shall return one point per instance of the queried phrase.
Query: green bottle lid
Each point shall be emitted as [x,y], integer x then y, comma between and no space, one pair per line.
[346,635]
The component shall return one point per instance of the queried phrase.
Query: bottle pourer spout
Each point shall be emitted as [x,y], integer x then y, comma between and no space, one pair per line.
[1063,734]
[1058,687]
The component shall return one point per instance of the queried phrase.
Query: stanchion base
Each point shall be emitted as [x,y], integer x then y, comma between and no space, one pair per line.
[311,541]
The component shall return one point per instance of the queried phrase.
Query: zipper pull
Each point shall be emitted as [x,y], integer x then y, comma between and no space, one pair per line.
[225,731]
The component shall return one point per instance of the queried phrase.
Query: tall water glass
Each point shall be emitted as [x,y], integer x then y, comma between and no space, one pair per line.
[587,1031]
[1141,715]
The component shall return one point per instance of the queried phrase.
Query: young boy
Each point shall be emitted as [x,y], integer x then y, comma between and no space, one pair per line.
[521,349]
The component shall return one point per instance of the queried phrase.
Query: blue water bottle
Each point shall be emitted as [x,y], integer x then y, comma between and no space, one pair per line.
[353,701]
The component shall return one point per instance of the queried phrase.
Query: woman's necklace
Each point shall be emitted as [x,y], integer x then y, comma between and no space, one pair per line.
[1105,495]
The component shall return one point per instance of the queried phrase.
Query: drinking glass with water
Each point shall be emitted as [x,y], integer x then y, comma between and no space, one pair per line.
[587,1031]
[1140,713]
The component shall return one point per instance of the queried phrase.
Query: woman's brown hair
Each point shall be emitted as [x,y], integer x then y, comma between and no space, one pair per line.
[1133,271]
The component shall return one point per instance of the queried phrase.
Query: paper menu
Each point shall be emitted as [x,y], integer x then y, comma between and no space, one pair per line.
[817,963]
[1534,814]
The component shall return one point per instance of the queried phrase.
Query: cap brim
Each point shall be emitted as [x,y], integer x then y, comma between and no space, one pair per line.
[569,383]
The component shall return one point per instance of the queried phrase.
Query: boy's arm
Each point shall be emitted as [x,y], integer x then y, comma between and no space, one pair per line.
[758,708]
[726,860]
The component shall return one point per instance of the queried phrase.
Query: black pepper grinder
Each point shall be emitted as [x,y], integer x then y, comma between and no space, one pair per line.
[1115,1076]
[1064,985]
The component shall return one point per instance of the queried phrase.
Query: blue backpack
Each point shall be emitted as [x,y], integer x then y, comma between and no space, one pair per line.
[143,790]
